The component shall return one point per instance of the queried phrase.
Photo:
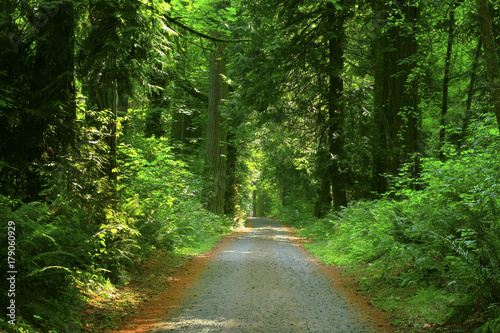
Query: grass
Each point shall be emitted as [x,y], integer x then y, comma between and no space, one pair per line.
[204,246]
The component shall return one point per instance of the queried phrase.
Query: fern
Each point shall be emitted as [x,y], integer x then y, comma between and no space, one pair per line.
[492,326]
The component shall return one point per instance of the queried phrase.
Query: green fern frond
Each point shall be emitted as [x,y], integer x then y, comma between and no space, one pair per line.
[492,326]
[41,270]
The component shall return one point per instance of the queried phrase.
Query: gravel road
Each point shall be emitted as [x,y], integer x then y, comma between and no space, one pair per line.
[265,282]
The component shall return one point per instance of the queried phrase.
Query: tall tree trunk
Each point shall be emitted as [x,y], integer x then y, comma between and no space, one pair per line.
[38,79]
[254,203]
[336,18]
[231,181]
[113,126]
[215,151]
[324,202]
[490,54]
[396,115]
[446,77]
[260,205]
[460,138]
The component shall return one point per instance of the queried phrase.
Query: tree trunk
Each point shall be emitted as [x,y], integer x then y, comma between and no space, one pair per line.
[459,139]
[396,115]
[446,78]
[324,202]
[336,42]
[43,114]
[490,54]
[254,203]
[107,100]
[231,181]
[215,151]
[260,205]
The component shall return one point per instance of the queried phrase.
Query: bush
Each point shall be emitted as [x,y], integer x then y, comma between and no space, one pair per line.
[163,195]
[48,252]
[446,234]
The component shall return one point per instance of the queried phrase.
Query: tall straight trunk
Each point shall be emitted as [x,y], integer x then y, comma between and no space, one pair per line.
[231,181]
[254,203]
[112,137]
[215,150]
[324,202]
[490,54]
[460,138]
[336,112]
[101,83]
[446,77]
[396,116]
[260,205]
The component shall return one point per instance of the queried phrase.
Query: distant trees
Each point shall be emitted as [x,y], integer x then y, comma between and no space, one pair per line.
[366,85]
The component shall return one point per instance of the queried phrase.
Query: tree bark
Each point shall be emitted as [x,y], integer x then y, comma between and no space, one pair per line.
[490,55]
[231,181]
[459,139]
[446,78]
[215,151]
[396,114]
[260,205]
[38,73]
[324,202]
[336,18]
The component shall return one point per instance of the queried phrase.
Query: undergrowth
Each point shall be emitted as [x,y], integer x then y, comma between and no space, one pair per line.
[432,254]
[86,231]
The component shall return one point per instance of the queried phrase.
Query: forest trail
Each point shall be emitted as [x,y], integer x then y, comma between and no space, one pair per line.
[264,281]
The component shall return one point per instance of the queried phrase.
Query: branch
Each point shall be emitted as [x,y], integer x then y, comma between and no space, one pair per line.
[185,85]
[202,35]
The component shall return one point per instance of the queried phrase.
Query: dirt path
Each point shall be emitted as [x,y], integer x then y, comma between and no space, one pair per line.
[264,281]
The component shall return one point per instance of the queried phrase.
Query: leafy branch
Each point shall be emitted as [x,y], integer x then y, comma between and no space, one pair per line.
[201,34]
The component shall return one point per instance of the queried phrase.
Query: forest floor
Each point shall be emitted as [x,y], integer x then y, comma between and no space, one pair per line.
[259,278]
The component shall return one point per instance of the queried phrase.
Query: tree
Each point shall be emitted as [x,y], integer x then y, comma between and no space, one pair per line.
[38,91]
[446,77]
[215,149]
[397,116]
[336,114]
[490,54]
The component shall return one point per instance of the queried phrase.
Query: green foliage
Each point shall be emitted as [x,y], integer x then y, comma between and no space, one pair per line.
[444,236]
[46,258]
[163,196]
[84,233]
[491,326]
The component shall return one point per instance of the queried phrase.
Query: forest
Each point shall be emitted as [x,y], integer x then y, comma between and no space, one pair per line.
[133,127]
